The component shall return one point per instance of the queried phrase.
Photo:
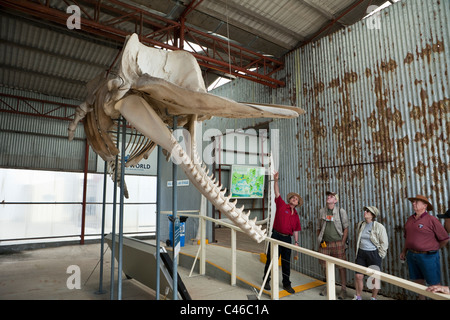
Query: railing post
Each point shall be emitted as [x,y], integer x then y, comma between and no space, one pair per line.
[275,275]
[233,257]
[331,291]
[202,246]
[331,262]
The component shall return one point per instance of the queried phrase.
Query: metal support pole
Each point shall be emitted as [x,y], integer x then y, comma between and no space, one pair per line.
[122,186]
[102,241]
[83,210]
[113,231]
[158,219]
[175,223]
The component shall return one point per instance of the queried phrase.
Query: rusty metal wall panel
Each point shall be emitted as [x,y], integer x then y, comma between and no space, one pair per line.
[376,128]
[377,104]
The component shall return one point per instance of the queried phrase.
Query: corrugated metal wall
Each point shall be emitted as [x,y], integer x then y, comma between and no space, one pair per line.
[36,142]
[377,123]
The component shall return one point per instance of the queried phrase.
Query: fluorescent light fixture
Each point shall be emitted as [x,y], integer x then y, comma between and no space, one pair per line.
[378,9]
[188,46]
[218,82]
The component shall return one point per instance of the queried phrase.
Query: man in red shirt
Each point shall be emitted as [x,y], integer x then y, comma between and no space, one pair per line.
[286,224]
[424,236]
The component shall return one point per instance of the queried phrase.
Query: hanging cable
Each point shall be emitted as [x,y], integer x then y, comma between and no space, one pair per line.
[228,45]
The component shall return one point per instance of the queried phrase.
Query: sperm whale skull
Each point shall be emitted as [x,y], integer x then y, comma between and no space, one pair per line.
[149,88]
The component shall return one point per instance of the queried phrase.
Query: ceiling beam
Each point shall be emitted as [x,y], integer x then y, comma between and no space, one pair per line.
[329,25]
[126,15]
[191,7]
[35,107]
[50,76]
[35,50]
[222,16]
[262,19]
[319,10]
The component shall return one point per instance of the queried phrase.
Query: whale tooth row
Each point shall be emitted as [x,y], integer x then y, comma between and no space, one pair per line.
[208,185]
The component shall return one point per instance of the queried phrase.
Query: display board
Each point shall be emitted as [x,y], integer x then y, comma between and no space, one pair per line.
[247,182]
[146,167]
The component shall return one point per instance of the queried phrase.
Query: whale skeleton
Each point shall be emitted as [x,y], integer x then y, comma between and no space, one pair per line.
[150,87]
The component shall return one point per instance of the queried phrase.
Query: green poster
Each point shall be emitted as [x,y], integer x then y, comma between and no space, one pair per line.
[247,182]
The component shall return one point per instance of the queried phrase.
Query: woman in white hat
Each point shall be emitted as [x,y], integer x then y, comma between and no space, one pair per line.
[371,247]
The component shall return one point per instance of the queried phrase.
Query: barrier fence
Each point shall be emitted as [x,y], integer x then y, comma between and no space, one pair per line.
[331,262]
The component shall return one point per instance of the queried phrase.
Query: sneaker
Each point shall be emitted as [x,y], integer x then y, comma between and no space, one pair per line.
[357,298]
[289,289]
[267,286]
[372,298]
[342,294]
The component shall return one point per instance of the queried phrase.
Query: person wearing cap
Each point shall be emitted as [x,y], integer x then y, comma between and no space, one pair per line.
[446,216]
[371,247]
[332,232]
[424,236]
[286,224]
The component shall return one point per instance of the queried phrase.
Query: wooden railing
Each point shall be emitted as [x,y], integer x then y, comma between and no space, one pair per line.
[331,262]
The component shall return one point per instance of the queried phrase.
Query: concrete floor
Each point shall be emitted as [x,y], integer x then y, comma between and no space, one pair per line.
[42,274]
